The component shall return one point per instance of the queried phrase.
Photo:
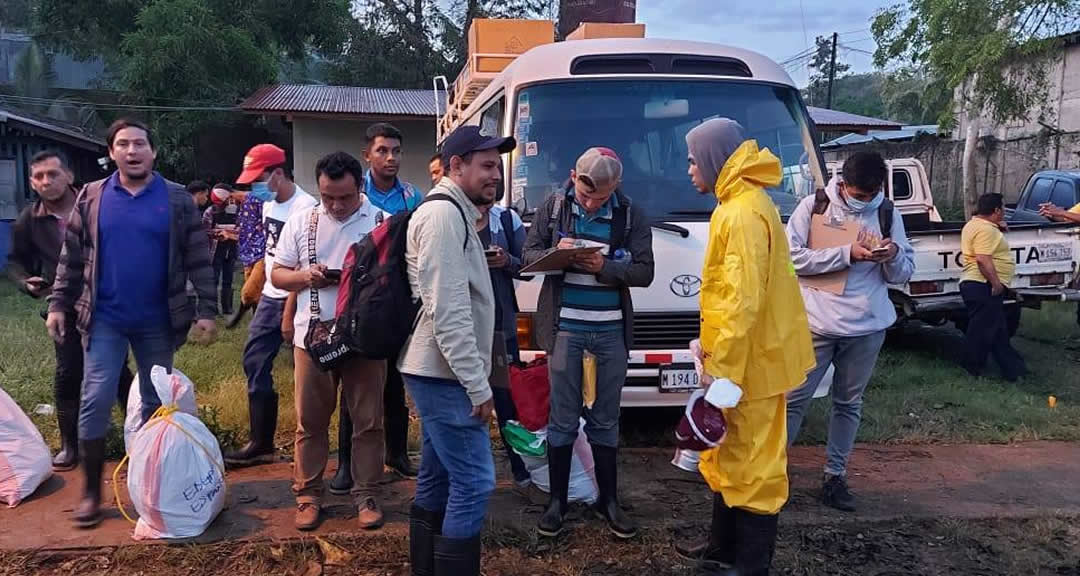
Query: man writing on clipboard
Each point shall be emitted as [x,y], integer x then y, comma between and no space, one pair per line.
[588,308]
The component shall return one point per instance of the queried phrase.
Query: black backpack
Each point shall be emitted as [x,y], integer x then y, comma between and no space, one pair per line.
[375,308]
[884,214]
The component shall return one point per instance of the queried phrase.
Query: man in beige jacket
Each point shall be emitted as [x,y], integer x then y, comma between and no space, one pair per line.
[447,360]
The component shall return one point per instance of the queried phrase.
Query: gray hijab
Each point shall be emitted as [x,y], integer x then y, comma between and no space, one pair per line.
[711,143]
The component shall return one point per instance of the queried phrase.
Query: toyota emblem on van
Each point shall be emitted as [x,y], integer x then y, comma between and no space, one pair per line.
[685,285]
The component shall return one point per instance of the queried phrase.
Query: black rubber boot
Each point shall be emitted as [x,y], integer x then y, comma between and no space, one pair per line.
[755,542]
[607,501]
[454,557]
[424,526]
[559,458]
[235,318]
[260,448]
[68,456]
[88,513]
[718,555]
[342,482]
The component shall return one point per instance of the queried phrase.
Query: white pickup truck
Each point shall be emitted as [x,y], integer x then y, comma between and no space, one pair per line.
[1046,255]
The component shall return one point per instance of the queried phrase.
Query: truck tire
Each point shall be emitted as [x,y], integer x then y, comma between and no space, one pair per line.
[1012,318]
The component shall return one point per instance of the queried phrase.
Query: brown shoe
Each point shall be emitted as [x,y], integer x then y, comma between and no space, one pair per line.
[307,516]
[369,515]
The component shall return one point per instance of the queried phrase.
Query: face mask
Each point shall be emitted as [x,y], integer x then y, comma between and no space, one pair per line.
[231,209]
[860,206]
[261,191]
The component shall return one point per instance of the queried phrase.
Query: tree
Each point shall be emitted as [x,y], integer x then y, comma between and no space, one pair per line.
[914,97]
[820,65]
[15,14]
[992,54]
[197,56]
[405,43]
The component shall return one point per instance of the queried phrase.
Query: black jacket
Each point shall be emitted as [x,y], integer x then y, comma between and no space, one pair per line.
[630,230]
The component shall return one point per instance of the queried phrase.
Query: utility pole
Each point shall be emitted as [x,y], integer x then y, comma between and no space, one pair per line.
[832,71]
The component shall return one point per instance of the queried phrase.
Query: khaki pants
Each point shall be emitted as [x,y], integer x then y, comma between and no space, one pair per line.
[362,382]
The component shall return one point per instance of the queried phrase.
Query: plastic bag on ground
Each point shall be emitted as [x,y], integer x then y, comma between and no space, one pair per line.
[522,441]
[185,400]
[25,461]
[176,471]
[582,471]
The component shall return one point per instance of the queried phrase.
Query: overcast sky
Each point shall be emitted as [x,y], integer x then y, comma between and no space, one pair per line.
[774,28]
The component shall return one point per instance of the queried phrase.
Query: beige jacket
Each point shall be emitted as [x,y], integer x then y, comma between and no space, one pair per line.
[456,325]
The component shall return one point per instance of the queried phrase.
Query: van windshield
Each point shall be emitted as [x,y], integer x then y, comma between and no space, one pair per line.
[645,122]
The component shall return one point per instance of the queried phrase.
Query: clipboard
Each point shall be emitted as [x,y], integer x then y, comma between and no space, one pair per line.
[826,232]
[557,260]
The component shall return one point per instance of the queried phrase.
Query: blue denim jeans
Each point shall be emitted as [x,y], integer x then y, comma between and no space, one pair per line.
[457,472]
[854,359]
[106,353]
[262,346]
[565,372]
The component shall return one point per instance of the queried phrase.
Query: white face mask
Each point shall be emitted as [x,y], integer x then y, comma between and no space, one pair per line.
[231,209]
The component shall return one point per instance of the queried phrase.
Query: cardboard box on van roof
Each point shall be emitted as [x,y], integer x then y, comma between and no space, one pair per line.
[593,30]
[506,36]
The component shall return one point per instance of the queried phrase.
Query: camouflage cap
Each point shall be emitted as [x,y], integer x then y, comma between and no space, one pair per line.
[600,165]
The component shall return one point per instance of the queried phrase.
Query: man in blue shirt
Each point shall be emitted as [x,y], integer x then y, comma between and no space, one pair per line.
[391,195]
[132,244]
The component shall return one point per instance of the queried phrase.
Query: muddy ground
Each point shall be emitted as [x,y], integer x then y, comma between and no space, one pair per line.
[1048,546]
[971,509]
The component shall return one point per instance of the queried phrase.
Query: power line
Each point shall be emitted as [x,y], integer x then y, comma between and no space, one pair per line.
[116,106]
[853,31]
[860,50]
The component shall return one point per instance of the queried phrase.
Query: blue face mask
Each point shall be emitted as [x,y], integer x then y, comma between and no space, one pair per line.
[261,191]
[859,206]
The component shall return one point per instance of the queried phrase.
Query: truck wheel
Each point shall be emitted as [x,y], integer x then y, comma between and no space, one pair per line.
[1012,318]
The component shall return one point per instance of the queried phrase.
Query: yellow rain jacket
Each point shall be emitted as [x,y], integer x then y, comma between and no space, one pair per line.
[754,332]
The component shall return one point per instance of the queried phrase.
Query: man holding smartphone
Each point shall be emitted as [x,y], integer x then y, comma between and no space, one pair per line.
[344,217]
[848,328]
[38,234]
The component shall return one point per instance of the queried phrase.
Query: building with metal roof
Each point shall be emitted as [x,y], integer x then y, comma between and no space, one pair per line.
[836,121]
[326,119]
[903,134]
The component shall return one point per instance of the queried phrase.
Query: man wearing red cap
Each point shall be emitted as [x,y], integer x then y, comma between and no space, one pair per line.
[266,171]
[587,308]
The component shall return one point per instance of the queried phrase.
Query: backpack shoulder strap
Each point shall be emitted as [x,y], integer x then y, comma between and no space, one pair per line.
[620,224]
[885,218]
[821,201]
[506,219]
[439,197]
[556,212]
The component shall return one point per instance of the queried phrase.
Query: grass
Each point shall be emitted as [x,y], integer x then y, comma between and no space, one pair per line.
[917,394]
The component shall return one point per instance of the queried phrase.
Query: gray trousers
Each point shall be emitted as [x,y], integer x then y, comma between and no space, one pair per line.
[565,371]
[854,359]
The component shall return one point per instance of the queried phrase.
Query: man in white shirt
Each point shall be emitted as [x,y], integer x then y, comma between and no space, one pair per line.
[345,216]
[265,169]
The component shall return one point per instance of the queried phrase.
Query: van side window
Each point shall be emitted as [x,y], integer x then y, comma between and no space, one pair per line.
[1063,195]
[492,117]
[1040,194]
[901,185]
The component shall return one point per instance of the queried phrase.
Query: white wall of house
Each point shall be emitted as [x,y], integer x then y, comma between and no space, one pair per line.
[313,138]
[1063,102]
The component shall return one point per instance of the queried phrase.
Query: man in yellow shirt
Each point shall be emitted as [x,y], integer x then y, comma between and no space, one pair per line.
[988,269]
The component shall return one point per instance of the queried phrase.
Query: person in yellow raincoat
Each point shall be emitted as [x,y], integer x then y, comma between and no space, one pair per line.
[754,334]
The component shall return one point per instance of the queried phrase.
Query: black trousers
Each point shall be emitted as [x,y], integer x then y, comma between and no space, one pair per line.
[988,332]
[395,412]
[67,379]
[224,267]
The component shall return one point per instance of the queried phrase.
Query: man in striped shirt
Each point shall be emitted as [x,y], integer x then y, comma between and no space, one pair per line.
[588,309]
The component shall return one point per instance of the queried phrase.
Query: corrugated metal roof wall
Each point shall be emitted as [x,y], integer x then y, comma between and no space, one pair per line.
[341,100]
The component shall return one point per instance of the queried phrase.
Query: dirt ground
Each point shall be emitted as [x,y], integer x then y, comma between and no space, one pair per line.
[967,509]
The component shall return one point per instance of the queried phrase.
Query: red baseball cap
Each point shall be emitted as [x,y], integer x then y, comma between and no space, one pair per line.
[258,159]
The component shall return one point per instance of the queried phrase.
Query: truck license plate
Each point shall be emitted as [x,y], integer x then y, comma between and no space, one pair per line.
[678,378]
[1055,252]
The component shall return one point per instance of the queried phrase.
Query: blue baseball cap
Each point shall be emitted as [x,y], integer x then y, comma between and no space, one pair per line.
[466,139]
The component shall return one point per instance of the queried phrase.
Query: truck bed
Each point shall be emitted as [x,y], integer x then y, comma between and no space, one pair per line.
[924,227]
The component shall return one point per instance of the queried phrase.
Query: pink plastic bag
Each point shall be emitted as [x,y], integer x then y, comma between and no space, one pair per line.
[25,462]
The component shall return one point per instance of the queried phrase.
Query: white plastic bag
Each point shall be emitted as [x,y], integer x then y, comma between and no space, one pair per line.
[582,471]
[176,475]
[133,418]
[25,461]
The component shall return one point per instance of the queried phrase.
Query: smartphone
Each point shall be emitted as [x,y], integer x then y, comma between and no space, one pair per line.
[879,251]
[333,275]
[491,252]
